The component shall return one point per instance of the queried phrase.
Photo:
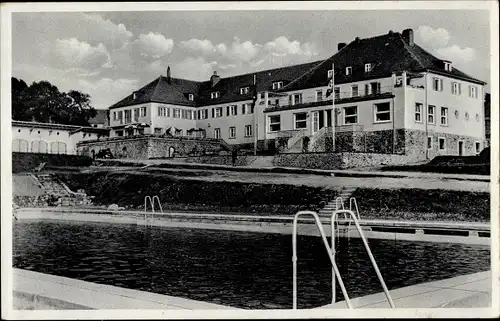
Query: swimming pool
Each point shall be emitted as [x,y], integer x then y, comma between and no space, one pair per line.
[240,269]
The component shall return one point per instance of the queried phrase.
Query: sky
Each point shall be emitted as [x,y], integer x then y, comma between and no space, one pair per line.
[110,54]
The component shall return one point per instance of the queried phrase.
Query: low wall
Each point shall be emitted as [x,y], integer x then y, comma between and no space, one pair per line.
[25,162]
[146,147]
[221,160]
[342,160]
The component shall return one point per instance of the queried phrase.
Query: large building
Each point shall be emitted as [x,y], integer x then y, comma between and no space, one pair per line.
[391,96]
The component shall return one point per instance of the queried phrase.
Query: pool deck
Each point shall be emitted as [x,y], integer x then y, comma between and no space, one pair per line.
[39,291]
[466,291]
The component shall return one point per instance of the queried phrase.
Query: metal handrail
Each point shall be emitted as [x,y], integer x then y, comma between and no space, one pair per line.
[159,203]
[353,203]
[146,207]
[370,255]
[330,255]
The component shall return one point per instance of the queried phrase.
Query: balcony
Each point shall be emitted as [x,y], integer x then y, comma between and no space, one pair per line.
[340,98]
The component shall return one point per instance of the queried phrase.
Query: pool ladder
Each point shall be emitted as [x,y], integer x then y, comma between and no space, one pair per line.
[331,254]
[152,202]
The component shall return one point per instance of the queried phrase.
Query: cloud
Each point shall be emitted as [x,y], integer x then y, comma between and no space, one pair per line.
[246,52]
[105,31]
[437,40]
[434,38]
[152,46]
[194,68]
[455,53]
[72,53]
[196,45]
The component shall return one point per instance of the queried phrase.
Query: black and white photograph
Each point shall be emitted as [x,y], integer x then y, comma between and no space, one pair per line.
[250,160]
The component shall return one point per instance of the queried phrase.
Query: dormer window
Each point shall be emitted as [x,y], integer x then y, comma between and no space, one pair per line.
[447,66]
[190,97]
[244,90]
[214,95]
[330,74]
[348,71]
[368,67]
[134,95]
[277,85]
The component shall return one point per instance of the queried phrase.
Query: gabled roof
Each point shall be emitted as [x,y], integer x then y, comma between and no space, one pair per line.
[229,87]
[387,53]
[160,90]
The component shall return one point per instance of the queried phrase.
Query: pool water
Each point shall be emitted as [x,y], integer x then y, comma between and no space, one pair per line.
[240,269]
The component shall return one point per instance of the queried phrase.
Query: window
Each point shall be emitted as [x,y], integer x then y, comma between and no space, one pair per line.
[473,91]
[232,132]
[477,118]
[418,112]
[330,73]
[248,131]
[337,92]
[274,123]
[437,84]
[297,99]
[115,116]
[157,130]
[120,116]
[478,147]
[354,90]
[136,114]
[233,110]
[176,113]
[431,111]
[204,114]
[300,120]
[277,102]
[214,95]
[429,142]
[218,112]
[368,67]
[217,133]
[348,71]
[350,115]
[372,88]
[466,116]
[447,66]
[442,143]
[244,90]
[277,85]
[143,111]
[162,111]
[191,97]
[382,112]
[444,116]
[128,116]
[319,95]
[456,88]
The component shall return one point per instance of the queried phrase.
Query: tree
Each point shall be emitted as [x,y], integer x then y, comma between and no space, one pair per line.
[43,102]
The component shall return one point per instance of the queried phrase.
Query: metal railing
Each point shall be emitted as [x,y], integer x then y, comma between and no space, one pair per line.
[152,202]
[368,250]
[331,254]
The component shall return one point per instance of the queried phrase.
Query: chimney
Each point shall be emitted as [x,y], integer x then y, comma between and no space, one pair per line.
[214,79]
[168,75]
[341,45]
[408,36]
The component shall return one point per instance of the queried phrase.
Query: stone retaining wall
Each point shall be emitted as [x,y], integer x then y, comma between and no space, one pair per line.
[150,147]
[222,160]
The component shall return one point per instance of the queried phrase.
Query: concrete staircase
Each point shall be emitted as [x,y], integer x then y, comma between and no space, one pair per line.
[53,187]
[345,194]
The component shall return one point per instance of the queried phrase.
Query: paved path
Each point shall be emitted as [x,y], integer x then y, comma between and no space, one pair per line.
[466,291]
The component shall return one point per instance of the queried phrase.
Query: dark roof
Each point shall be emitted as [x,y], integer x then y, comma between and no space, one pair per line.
[160,90]
[387,53]
[100,118]
[71,128]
